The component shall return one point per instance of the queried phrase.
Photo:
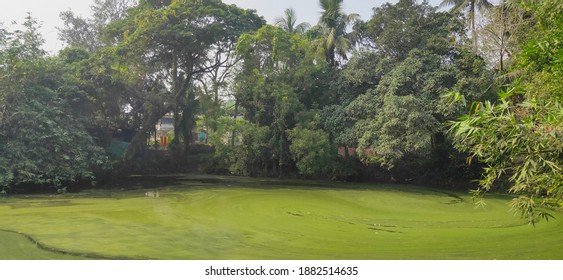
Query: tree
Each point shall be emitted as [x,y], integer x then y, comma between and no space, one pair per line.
[333,24]
[175,45]
[471,6]
[215,85]
[405,116]
[278,81]
[518,138]
[155,4]
[3,34]
[500,34]
[87,33]
[249,154]
[289,20]
[418,58]
[262,85]
[101,95]
[42,142]
[396,29]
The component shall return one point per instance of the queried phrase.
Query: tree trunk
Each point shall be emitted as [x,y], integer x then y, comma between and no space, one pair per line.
[281,159]
[440,151]
[187,139]
[139,141]
[234,133]
[501,52]
[473,31]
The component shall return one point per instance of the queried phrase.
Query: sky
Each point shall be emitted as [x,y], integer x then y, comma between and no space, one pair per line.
[47,12]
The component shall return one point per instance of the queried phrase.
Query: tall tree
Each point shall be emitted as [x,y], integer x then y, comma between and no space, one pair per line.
[469,6]
[276,82]
[399,116]
[333,24]
[175,44]
[289,22]
[214,85]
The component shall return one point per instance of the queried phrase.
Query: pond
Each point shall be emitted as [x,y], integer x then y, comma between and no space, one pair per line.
[211,217]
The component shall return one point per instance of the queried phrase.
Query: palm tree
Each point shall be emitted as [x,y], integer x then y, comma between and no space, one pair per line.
[288,21]
[471,6]
[334,22]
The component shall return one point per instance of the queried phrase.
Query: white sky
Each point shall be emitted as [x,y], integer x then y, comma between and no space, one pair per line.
[47,12]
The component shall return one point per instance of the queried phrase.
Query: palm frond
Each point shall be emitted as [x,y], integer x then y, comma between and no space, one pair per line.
[302,27]
[289,20]
[458,5]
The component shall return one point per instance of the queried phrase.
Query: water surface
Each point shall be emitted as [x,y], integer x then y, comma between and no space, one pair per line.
[204,217]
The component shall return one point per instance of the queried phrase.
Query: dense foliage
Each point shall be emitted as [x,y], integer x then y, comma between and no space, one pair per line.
[422,59]
[43,139]
[519,137]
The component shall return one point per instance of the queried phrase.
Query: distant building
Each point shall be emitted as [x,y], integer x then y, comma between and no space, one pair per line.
[165,125]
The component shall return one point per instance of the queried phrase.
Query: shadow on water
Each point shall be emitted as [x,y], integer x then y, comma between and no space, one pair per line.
[189,180]
[152,183]
[145,182]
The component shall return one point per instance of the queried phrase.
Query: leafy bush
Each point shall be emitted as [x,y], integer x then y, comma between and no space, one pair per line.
[240,147]
[42,142]
[312,151]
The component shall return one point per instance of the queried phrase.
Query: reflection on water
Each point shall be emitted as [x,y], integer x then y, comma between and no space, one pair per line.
[152,194]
